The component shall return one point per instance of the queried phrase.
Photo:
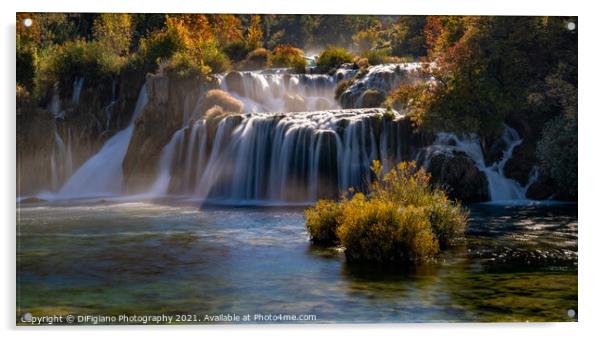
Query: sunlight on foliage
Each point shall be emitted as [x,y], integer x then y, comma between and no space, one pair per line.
[333,57]
[401,218]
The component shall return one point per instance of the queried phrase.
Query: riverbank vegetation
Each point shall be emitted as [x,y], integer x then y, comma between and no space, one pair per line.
[488,72]
[58,48]
[484,72]
[402,218]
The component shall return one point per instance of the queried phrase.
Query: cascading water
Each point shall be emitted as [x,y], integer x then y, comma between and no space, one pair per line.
[278,156]
[260,155]
[102,173]
[269,91]
[61,160]
[501,188]
[382,78]
[78,84]
[110,108]
[55,107]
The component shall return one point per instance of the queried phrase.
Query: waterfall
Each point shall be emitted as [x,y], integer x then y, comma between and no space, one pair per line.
[61,159]
[102,173]
[269,91]
[501,188]
[55,107]
[278,156]
[383,78]
[292,143]
[161,185]
[110,108]
[78,84]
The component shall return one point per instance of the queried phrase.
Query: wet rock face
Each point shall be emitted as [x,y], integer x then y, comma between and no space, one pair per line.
[542,189]
[369,86]
[172,101]
[101,108]
[460,178]
[234,82]
[372,98]
[521,163]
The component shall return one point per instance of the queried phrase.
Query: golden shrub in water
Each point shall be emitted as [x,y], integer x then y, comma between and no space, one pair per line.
[401,219]
[322,221]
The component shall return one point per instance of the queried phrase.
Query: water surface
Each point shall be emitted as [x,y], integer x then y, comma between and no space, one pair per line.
[517,263]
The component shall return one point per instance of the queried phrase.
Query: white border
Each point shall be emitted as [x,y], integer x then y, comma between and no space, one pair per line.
[589,163]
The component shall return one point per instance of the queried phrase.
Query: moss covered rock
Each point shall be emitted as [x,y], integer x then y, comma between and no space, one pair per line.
[372,98]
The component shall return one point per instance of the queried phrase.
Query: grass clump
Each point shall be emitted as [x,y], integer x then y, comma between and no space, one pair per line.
[333,57]
[377,56]
[401,219]
[256,59]
[217,97]
[342,86]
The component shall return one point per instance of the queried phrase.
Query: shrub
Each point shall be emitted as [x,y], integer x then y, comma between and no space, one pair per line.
[238,50]
[557,153]
[380,231]
[62,64]
[447,219]
[377,56]
[342,86]
[362,62]
[156,48]
[210,55]
[333,57]
[182,65]
[26,66]
[288,56]
[256,59]
[401,219]
[322,222]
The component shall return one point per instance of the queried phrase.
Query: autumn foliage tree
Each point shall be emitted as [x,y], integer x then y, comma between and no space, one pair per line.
[114,32]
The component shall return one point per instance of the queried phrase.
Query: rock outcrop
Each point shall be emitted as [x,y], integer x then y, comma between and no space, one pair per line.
[459,177]
[58,132]
[172,102]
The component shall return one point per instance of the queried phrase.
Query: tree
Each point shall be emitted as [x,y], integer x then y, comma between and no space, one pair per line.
[114,32]
[254,32]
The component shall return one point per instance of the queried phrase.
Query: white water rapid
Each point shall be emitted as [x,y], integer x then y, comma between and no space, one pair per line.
[501,188]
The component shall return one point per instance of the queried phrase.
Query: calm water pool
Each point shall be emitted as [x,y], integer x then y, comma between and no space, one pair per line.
[516,264]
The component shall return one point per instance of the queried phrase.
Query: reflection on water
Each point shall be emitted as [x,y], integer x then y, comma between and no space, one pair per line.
[515,264]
